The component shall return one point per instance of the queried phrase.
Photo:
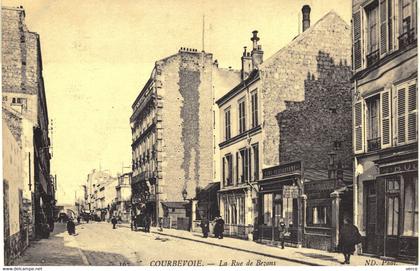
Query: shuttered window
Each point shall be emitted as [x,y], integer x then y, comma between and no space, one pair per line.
[401,114]
[357,42]
[358,127]
[412,113]
[407,112]
[227,124]
[386,118]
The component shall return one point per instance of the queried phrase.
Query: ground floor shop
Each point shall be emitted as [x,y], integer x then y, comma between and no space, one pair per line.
[312,203]
[388,213]
[238,210]
[279,200]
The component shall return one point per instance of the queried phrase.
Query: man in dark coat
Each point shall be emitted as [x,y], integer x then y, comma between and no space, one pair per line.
[205,227]
[147,222]
[219,227]
[114,222]
[349,237]
[71,227]
[282,233]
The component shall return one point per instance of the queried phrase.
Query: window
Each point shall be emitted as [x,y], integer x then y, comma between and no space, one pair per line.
[227,169]
[372,19]
[406,7]
[372,33]
[241,209]
[278,209]
[242,119]
[319,215]
[227,124]
[255,151]
[411,211]
[268,209]
[373,123]
[244,166]
[393,204]
[406,112]
[254,108]
[4,98]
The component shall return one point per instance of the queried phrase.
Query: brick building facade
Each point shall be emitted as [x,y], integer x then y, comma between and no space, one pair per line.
[172,131]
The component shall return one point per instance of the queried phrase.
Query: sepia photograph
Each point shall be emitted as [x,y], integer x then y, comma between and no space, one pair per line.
[195,133]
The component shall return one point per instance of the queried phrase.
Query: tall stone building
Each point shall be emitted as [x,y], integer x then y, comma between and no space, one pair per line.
[24,93]
[100,193]
[172,126]
[385,120]
[286,138]
[123,199]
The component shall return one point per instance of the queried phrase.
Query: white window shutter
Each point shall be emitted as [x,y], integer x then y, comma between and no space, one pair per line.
[357,40]
[383,26]
[401,114]
[358,124]
[385,107]
[412,128]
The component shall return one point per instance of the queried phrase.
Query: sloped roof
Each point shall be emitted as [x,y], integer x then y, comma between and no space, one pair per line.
[331,15]
[254,75]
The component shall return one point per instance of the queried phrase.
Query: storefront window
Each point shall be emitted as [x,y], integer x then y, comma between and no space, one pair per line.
[319,215]
[268,208]
[233,213]
[277,209]
[226,210]
[288,210]
[241,209]
[410,207]
[393,206]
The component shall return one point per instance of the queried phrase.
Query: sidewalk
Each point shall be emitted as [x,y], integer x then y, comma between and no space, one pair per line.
[306,256]
[59,249]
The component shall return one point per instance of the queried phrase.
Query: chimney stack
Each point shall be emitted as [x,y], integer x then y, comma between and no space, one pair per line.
[306,20]
[246,64]
[256,53]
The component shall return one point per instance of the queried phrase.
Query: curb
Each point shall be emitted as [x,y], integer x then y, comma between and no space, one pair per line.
[243,250]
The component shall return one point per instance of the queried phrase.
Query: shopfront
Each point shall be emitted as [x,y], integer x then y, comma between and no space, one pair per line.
[237,212]
[392,220]
[279,201]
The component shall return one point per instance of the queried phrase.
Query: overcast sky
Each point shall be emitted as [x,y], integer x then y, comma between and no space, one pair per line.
[97,55]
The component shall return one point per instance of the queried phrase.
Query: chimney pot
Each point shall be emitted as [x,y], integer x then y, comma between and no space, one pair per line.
[306,20]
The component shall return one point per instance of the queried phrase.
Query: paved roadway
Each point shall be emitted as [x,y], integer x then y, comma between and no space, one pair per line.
[99,244]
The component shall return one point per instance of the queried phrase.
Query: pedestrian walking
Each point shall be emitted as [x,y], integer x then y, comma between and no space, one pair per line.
[205,227]
[160,223]
[147,222]
[219,227]
[114,222]
[348,238]
[283,233]
[71,227]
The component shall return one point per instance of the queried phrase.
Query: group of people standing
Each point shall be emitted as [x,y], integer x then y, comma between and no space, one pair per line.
[218,227]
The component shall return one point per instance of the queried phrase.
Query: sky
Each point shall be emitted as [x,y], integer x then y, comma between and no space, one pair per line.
[98,54]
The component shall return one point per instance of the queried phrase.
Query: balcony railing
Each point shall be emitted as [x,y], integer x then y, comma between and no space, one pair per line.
[407,38]
[372,58]
[374,144]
